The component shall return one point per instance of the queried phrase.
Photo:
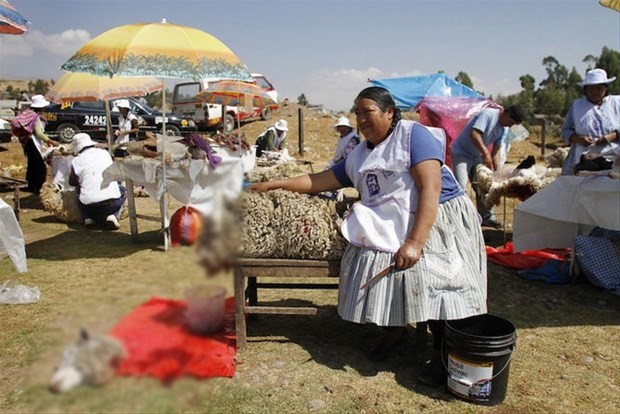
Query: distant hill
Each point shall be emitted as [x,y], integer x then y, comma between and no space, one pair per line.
[21,84]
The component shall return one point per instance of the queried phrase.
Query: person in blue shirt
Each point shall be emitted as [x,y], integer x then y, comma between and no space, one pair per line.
[486,130]
[413,223]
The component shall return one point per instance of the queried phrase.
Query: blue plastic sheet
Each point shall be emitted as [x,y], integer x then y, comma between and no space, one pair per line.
[409,91]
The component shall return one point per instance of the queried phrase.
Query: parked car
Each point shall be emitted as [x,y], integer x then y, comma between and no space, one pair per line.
[5,131]
[208,115]
[67,119]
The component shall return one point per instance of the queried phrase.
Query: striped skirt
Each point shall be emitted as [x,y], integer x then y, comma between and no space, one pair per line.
[448,282]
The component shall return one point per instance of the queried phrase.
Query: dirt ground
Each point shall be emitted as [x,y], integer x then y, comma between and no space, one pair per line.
[567,357]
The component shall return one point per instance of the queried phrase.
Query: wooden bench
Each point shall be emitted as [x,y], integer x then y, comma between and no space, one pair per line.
[251,269]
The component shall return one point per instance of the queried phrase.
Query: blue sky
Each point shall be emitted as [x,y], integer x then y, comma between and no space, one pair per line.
[328,49]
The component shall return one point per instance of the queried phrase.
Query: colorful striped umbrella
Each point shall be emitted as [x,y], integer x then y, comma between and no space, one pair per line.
[163,50]
[72,87]
[11,22]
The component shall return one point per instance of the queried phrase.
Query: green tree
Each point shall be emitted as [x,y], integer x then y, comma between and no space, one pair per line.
[528,93]
[301,100]
[40,86]
[573,90]
[464,78]
[557,74]
[610,61]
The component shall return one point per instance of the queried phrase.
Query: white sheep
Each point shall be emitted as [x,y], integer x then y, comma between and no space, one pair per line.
[91,360]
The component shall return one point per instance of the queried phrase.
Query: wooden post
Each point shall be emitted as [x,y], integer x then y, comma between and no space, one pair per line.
[542,121]
[543,138]
[301,131]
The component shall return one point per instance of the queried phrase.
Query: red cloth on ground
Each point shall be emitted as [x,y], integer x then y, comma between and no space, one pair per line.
[159,343]
[505,256]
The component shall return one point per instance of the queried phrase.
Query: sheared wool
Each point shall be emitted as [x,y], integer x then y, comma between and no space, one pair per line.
[288,225]
[521,184]
[277,172]
[63,204]
[557,157]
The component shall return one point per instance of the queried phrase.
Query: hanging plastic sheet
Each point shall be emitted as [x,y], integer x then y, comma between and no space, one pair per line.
[12,238]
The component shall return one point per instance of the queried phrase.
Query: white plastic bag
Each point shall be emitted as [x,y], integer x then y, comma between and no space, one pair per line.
[18,294]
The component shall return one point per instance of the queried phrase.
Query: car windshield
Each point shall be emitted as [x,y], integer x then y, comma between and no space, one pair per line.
[137,108]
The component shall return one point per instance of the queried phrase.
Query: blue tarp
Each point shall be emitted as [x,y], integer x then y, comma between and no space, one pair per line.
[409,91]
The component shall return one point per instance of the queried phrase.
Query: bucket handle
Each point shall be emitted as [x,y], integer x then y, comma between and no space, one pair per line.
[514,347]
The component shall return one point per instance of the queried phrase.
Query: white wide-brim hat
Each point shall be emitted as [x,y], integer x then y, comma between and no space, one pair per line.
[122,103]
[282,125]
[39,101]
[343,121]
[596,77]
[81,141]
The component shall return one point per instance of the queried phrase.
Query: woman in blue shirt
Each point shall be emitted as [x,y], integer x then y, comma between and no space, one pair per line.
[413,222]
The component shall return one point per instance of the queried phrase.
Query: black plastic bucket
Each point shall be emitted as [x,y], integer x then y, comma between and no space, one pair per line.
[477,353]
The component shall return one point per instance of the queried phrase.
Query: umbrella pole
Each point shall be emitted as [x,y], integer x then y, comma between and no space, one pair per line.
[162,203]
[239,120]
[108,126]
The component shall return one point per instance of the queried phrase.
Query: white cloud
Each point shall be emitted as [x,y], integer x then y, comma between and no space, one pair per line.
[34,42]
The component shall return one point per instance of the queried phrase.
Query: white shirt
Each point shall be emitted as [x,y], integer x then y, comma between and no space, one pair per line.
[89,166]
[344,147]
[124,125]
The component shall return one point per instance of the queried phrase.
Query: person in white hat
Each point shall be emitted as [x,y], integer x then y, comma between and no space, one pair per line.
[347,140]
[592,124]
[33,140]
[273,138]
[97,204]
[128,127]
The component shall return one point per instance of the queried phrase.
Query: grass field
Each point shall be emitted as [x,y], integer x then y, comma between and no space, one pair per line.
[567,357]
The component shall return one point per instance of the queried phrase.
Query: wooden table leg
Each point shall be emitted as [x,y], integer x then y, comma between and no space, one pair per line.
[131,206]
[240,308]
[165,222]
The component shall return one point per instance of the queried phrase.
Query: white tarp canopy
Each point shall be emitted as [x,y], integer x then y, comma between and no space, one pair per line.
[564,209]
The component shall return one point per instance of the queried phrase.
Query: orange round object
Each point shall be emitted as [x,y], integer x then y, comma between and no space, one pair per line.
[185,226]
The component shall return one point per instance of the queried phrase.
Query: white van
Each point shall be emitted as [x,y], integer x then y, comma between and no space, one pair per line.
[208,115]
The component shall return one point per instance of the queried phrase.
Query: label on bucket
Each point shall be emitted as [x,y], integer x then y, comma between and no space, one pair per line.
[470,379]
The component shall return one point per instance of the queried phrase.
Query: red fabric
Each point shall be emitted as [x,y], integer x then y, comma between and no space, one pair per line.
[159,344]
[527,259]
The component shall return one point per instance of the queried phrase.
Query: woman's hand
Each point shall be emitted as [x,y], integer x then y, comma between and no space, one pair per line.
[408,254]
[584,140]
[258,187]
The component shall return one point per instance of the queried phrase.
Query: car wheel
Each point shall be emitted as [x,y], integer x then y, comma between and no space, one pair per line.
[173,130]
[66,132]
[229,123]
[266,113]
